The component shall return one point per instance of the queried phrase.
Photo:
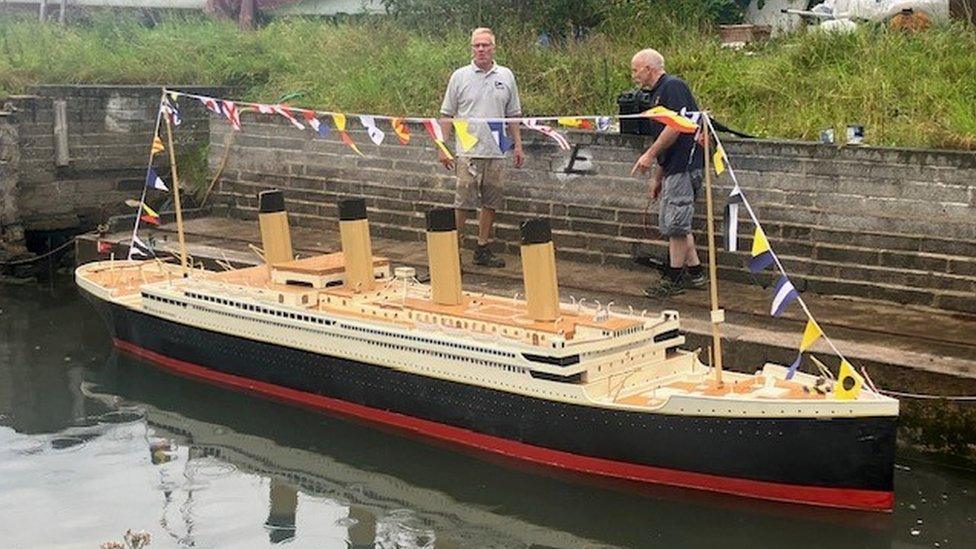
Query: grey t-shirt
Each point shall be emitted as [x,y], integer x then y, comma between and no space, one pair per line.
[474,93]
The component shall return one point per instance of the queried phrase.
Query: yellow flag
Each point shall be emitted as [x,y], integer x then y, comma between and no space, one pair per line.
[759,242]
[402,132]
[149,210]
[464,136]
[157,146]
[810,335]
[849,382]
[340,121]
[719,160]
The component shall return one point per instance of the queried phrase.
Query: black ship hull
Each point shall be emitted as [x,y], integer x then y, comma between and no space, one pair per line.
[839,462]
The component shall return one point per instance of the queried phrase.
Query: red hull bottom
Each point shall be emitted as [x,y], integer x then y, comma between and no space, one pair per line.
[871,500]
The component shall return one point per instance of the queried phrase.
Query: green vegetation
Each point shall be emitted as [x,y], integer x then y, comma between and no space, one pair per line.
[910,90]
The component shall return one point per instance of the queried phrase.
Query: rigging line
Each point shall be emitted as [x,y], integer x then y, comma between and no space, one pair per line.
[51,252]
[924,396]
[755,220]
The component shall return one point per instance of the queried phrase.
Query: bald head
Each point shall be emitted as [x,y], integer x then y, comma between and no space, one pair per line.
[649,57]
[646,67]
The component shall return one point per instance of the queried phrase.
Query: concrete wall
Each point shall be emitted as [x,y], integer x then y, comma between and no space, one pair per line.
[891,224]
[109,129]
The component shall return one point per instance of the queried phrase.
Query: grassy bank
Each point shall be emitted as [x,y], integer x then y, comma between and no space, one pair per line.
[909,90]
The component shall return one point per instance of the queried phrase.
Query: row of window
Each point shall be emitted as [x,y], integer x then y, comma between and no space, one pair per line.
[260,309]
[261,320]
[163,300]
[326,322]
[431,341]
[506,367]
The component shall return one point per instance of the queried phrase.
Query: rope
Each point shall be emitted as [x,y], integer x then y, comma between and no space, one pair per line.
[921,396]
[42,256]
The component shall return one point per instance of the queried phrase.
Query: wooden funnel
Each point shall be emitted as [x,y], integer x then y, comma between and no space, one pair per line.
[442,254]
[275,234]
[539,270]
[356,246]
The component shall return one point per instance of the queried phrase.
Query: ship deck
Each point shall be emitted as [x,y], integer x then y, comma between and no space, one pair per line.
[123,280]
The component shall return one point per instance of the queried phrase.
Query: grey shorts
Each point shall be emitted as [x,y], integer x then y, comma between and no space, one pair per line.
[678,194]
[479,183]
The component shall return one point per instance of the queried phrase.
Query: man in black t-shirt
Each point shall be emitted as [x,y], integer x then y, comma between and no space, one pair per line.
[677,179]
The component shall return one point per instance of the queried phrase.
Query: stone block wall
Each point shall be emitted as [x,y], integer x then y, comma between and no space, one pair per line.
[892,224]
[11,230]
[109,130]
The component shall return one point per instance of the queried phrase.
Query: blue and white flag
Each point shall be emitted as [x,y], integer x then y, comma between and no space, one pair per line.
[732,219]
[376,135]
[153,181]
[139,250]
[498,132]
[793,367]
[783,294]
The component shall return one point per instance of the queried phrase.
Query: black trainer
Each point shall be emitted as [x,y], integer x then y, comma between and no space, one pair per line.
[484,257]
[666,288]
[694,282]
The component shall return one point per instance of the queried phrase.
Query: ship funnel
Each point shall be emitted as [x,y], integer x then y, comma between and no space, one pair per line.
[442,253]
[356,246]
[275,234]
[539,270]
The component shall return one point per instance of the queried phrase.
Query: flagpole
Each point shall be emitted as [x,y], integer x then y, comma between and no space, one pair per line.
[176,195]
[718,315]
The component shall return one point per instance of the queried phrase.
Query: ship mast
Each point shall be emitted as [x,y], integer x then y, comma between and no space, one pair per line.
[717,314]
[176,195]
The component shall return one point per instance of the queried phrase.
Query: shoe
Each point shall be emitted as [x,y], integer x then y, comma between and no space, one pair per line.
[693,282]
[666,288]
[484,257]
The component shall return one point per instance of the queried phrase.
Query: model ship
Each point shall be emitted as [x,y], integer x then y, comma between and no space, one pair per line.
[590,390]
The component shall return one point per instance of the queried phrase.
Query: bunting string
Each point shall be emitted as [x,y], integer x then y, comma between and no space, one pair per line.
[812,332]
[686,120]
[165,107]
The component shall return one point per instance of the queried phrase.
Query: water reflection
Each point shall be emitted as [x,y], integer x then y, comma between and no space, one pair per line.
[116,444]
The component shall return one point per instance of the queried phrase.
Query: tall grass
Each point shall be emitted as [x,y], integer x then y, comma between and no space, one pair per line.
[907,89]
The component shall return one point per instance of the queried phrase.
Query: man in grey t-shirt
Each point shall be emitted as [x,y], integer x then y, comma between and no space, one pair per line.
[483,90]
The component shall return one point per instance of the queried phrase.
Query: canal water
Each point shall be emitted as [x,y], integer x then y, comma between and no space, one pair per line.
[93,442]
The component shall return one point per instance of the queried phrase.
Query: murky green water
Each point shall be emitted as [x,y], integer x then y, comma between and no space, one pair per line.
[93,443]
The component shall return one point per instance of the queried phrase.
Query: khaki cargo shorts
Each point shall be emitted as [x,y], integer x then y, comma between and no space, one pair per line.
[678,194]
[479,183]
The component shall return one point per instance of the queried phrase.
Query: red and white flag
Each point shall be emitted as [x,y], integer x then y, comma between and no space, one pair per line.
[230,111]
[286,112]
[437,134]
[534,124]
[211,104]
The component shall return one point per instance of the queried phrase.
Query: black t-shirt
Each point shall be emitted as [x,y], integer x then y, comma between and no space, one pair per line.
[672,92]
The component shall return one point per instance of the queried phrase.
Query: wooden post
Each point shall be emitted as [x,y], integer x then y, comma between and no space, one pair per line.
[176,195]
[42,11]
[61,11]
[61,154]
[718,315]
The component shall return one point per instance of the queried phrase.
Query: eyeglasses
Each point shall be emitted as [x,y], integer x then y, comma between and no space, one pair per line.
[482,45]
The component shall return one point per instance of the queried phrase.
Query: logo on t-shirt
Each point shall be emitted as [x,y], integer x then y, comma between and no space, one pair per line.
[499,85]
